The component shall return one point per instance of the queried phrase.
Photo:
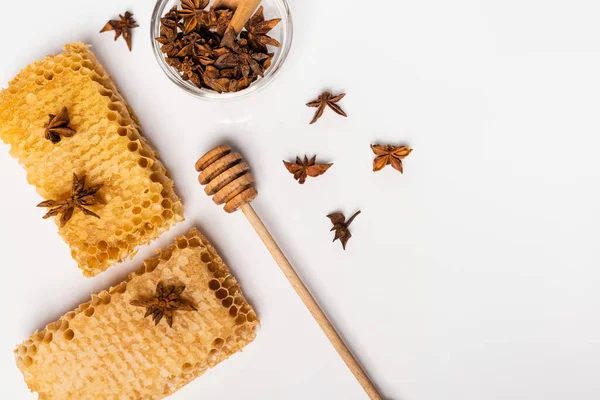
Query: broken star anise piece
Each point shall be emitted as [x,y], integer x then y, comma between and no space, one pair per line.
[257,29]
[58,126]
[389,154]
[80,197]
[165,302]
[340,226]
[191,12]
[122,26]
[304,168]
[326,99]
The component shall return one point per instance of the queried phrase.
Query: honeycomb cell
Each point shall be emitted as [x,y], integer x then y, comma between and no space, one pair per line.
[233,290]
[227,302]
[166,255]
[92,263]
[53,327]
[151,264]
[89,312]
[102,245]
[241,319]
[228,282]
[218,343]
[48,338]
[219,274]
[32,350]
[221,294]
[194,242]
[27,361]
[182,243]
[213,267]
[206,258]
[132,146]
[69,335]
[214,285]
[113,252]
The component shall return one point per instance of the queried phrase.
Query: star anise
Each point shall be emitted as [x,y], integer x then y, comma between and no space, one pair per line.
[80,197]
[243,61]
[389,154]
[191,11]
[195,46]
[340,226]
[216,19]
[326,99]
[304,168]
[188,68]
[58,126]
[257,29]
[165,302]
[122,26]
[169,38]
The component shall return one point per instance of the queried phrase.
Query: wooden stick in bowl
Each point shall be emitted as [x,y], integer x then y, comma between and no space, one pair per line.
[244,9]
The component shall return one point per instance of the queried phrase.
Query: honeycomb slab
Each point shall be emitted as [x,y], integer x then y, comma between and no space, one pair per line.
[139,200]
[106,349]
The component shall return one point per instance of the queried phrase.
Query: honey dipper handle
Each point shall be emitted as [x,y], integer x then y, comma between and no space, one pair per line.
[310,302]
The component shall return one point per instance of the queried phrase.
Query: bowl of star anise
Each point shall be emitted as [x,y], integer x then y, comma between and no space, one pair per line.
[199,51]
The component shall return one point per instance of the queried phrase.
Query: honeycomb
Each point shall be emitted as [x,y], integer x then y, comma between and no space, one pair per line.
[106,349]
[140,202]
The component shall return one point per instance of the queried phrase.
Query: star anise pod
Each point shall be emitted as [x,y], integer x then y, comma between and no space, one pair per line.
[167,299]
[389,154]
[326,99]
[244,62]
[191,12]
[195,46]
[169,38]
[340,226]
[80,197]
[257,29]
[58,126]
[304,168]
[216,19]
[122,26]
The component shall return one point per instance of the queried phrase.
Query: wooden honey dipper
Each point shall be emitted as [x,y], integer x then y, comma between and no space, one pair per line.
[228,179]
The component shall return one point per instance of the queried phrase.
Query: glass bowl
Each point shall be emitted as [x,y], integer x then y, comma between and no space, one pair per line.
[283,33]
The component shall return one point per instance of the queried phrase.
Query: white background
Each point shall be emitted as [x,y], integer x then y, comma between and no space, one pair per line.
[473,276]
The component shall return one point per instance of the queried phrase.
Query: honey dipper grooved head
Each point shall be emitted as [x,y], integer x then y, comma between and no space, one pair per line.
[227,177]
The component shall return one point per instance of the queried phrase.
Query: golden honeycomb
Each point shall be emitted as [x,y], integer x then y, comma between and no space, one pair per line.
[106,349]
[140,202]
